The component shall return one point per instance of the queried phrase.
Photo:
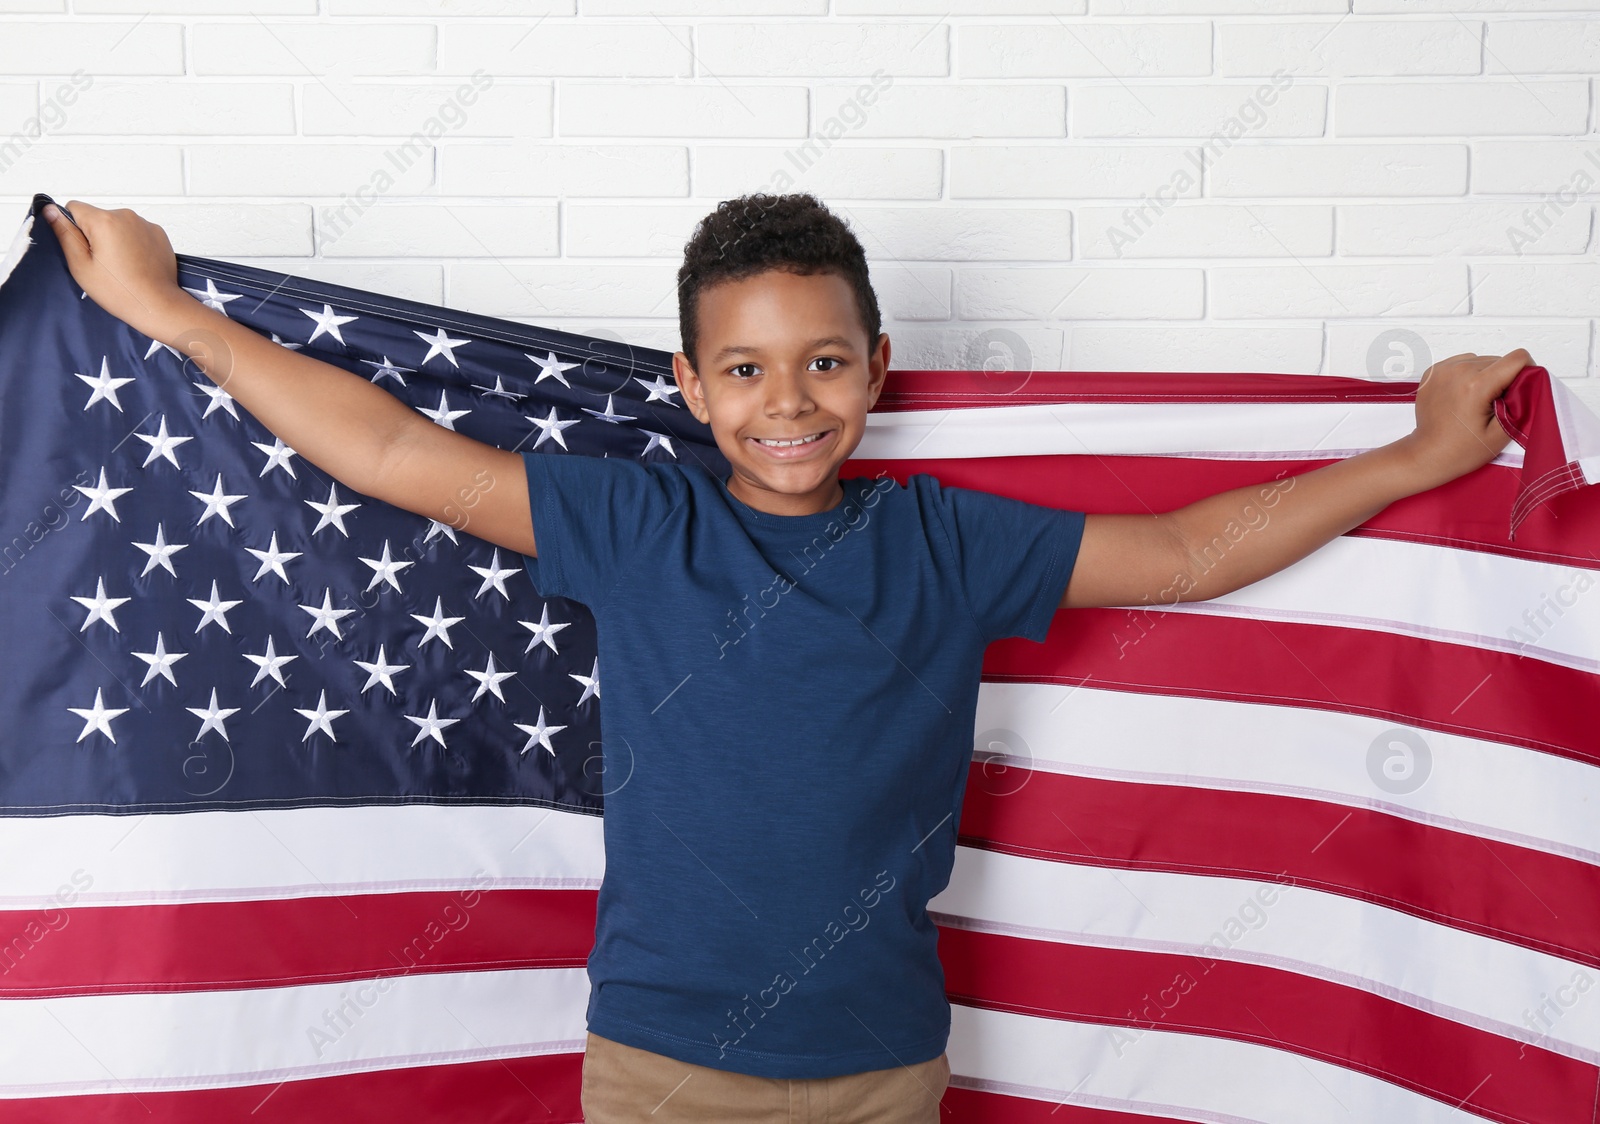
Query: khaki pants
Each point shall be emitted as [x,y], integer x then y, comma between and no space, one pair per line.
[626,1085]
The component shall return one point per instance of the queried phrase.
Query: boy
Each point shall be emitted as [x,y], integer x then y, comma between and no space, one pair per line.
[805,648]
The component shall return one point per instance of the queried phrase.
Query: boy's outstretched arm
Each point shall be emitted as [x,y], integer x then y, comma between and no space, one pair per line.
[362,436]
[1226,541]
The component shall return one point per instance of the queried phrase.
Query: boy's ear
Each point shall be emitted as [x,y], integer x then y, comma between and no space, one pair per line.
[877,369]
[689,386]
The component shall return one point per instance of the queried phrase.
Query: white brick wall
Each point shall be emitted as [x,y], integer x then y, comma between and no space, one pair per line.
[1107,184]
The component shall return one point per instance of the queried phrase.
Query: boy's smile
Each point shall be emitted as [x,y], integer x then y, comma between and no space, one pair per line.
[786,380]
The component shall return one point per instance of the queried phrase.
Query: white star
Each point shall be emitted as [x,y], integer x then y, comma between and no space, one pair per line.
[387,369]
[551,427]
[160,662]
[214,610]
[332,512]
[438,625]
[659,439]
[212,716]
[493,576]
[380,672]
[216,503]
[105,499]
[441,344]
[543,631]
[273,559]
[219,397]
[551,367]
[100,606]
[432,726]
[539,732]
[278,455]
[160,553]
[162,445]
[591,683]
[211,298]
[104,385]
[489,680]
[269,663]
[326,616]
[437,528]
[285,343]
[608,414]
[498,390]
[327,322]
[385,569]
[156,345]
[321,718]
[659,388]
[98,718]
[444,415]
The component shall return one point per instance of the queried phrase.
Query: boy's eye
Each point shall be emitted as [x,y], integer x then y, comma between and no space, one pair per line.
[741,366]
[827,359]
[834,362]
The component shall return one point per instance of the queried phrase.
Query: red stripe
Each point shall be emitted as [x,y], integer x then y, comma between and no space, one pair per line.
[955,390]
[1470,512]
[513,1091]
[1501,891]
[1136,991]
[962,1105]
[91,950]
[1455,688]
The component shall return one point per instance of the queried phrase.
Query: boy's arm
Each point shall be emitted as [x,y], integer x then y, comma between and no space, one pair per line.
[350,428]
[1229,540]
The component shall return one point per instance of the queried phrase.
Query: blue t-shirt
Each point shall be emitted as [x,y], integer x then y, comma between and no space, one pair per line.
[788,713]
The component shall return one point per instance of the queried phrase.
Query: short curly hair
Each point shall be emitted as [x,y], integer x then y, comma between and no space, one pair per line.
[758,232]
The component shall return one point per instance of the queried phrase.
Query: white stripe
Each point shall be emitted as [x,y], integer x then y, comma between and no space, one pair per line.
[227,856]
[1579,429]
[1537,609]
[1226,430]
[1483,788]
[197,1039]
[1183,1076]
[1448,972]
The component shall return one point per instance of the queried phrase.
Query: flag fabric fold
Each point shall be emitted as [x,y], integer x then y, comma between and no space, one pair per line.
[300,794]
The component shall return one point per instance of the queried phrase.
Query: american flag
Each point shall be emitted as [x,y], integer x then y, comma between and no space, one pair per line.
[301,792]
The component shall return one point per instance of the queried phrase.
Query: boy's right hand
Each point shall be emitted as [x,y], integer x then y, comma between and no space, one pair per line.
[125,265]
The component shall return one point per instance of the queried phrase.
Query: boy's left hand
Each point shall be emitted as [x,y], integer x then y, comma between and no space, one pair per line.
[1456,427]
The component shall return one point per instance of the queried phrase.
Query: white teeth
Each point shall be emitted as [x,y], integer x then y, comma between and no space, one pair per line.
[786,444]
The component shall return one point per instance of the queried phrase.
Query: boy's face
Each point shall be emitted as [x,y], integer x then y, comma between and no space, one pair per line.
[784,355]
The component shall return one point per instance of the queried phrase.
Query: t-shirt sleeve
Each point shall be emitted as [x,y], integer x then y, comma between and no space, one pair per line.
[592,516]
[1013,558]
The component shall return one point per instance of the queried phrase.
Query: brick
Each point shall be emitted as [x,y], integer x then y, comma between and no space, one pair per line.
[98,49]
[1070,293]
[550,48]
[399,109]
[454,9]
[563,169]
[19,106]
[708,109]
[1262,109]
[1206,230]
[565,289]
[1085,50]
[611,230]
[229,229]
[187,108]
[905,110]
[1359,350]
[962,347]
[422,283]
[963,234]
[1320,289]
[743,8]
[196,7]
[1493,6]
[1479,108]
[309,169]
[911,292]
[456,230]
[1543,289]
[839,171]
[1216,7]
[1542,46]
[986,8]
[1536,166]
[1458,229]
[823,49]
[317,50]
[1073,171]
[100,174]
[1349,47]
[1339,169]
[1157,347]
